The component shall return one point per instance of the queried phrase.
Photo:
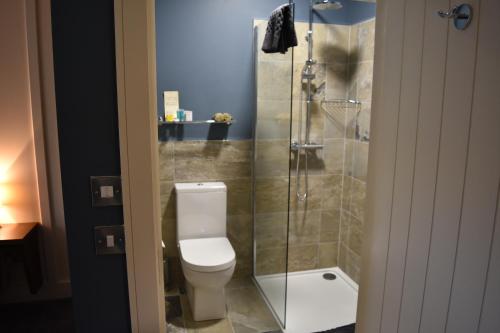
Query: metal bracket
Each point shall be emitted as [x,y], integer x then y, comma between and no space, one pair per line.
[461,15]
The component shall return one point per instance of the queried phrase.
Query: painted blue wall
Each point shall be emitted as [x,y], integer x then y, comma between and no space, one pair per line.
[205,50]
[85,78]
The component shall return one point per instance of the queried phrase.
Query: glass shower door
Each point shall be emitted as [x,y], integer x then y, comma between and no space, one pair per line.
[274,76]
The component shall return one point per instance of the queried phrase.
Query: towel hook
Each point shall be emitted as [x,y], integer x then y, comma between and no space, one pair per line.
[461,15]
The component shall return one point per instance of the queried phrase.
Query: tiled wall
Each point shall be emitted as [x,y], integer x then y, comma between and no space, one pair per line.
[357,143]
[326,230]
[203,161]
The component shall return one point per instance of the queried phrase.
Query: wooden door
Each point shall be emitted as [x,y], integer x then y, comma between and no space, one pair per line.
[432,259]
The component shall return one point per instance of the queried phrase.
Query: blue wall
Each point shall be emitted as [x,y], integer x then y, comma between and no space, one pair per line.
[85,78]
[205,50]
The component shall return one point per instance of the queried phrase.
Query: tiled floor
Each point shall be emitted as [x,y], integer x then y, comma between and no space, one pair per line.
[247,313]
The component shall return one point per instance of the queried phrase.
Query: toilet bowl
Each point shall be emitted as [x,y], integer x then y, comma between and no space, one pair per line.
[208,265]
[207,257]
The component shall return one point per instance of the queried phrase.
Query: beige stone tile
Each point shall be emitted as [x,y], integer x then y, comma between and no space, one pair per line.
[334,126]
[336,49]
[364,79]
[232,169]
[355,240]
[358,194]
[353,44]
[336,82]
[239,196]
[345,223]
[366,40]
[349,262]
[194,169]
[347,193]
[331,191]
[304,227]
[333,155]
[241,282]
[272,158]
[271,195]
[169,237]
[314,193]
[234,151]
[274,80]
[240,234]
[360,165]
[248,312]
[301,258]
[167,200]
[364,120]
[271,230]
[270,261]
[196,149]
[166,160]
[349,157]
[328,254]
[273,119]
[330,225]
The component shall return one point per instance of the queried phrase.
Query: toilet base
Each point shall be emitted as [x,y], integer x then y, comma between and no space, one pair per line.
[206,303]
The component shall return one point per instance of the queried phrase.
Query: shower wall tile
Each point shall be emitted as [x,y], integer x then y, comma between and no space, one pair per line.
[360,161]
[328,255]
[332,191]
[271,261]
[271,230]
[274,80]
[366,40]
[304,227]
[271,194]
[330,225]
[302,257]
[239,196]
[336,48]
[240,234]
[333,156]
[166,157]
[314,196]
[336,81]
[317,121]
[358,195]
[272,158]
[273,119]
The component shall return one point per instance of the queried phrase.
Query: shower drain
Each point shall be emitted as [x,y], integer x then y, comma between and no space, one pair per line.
[329,276]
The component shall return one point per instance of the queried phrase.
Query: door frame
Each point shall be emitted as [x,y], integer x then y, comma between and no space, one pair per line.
[136,85]
[137,121]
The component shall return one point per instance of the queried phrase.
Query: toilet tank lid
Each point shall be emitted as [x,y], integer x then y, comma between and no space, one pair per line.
[200,187]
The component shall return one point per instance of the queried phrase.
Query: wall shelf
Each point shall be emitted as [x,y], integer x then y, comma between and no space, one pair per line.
[195,122]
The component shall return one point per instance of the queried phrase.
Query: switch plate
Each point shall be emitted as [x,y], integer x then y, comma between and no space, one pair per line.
[109,239]
[106,191]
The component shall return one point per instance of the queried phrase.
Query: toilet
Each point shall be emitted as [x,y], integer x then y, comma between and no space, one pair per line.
[207,257]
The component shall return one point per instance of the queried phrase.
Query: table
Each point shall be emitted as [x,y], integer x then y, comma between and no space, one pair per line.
[21,240]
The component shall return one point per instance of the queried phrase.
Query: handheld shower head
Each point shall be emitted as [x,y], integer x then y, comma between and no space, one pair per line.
[326,5]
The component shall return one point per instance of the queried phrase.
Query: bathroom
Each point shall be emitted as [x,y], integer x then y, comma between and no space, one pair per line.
[294,172]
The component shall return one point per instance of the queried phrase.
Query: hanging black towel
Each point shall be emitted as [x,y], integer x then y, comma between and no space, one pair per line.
[280,33]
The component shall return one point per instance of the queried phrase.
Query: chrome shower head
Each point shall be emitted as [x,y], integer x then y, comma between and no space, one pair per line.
[326,5]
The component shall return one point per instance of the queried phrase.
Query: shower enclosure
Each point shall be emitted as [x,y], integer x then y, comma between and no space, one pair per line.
[310,160]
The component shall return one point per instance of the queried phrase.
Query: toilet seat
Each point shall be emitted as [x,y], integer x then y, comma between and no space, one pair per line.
[207,254]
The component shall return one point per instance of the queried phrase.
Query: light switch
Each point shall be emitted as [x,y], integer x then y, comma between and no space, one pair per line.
[110,240]
[107,192]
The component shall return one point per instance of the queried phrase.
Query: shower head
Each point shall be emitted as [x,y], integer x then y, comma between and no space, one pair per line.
[326,5]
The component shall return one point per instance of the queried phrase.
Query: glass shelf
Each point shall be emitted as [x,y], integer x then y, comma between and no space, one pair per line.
[195,122]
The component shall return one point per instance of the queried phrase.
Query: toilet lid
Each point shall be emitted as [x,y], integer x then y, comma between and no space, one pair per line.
[207,254]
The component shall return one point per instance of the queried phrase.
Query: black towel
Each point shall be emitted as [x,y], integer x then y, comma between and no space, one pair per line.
[280,33]
[343,329]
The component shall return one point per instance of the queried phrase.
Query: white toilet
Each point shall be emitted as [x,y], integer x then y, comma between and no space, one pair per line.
[207,257]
